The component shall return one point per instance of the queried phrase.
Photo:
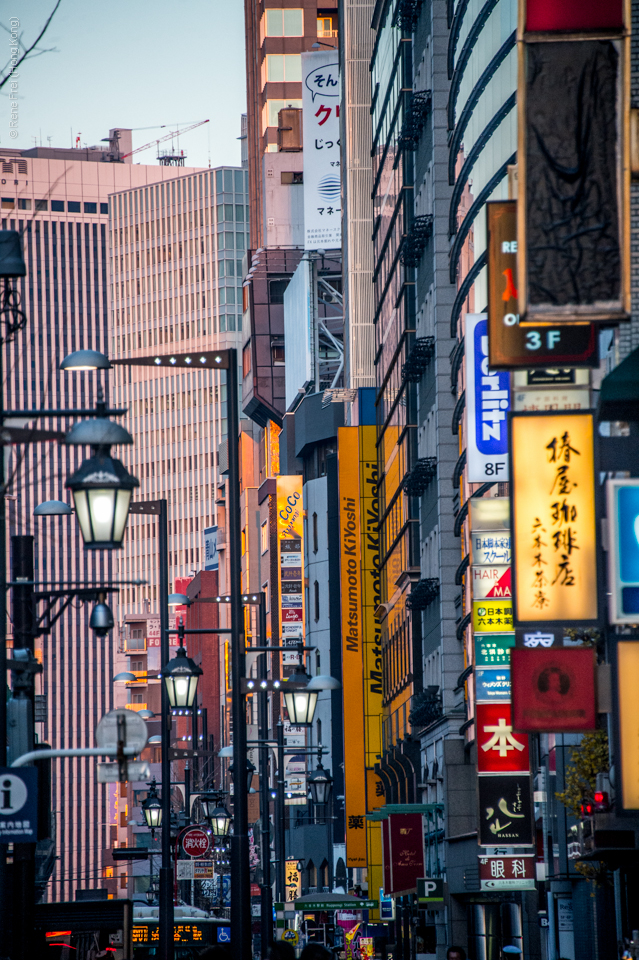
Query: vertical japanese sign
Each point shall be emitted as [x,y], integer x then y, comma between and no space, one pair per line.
[487,406]
[320,118]
[290,555]
[553,494]
[352,646]
[293,881]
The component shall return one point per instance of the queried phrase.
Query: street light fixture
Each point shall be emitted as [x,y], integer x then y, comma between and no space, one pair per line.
[181,676]
[216,813]
[320,784]
[101,486]
[152,808]
[300,700]
[179,600]
[86,360]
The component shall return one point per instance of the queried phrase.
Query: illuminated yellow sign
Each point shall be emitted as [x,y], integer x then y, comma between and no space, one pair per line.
[293,881]
[371,599]
[628,671]
[182,933]
[352,646]
[553,478]
[290,555]
[492,616]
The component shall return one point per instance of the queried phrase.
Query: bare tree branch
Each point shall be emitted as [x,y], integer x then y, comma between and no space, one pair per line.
[28,50]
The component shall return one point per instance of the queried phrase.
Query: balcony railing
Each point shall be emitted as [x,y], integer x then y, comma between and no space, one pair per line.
[327,34]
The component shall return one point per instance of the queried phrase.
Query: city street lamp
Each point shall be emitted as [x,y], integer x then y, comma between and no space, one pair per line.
[300,700]
[216,813]
[181,676]
[152,808]
[320,783]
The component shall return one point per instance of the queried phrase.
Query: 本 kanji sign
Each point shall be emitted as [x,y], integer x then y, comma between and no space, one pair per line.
[507,873]
[505,811]
[320,118]
[499,749]
[553,520]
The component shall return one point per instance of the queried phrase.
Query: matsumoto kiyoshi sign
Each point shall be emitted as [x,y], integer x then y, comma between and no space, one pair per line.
[487,406]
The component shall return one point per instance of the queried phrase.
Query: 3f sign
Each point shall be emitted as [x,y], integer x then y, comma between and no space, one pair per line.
[534,340]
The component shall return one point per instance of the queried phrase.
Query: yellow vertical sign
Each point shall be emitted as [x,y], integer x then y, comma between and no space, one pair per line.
[352,646]
[627,673]
[371,597]
[554,532]
[290,555]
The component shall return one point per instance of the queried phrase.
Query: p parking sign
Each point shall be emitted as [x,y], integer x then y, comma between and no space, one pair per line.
[430,890]
[18,805]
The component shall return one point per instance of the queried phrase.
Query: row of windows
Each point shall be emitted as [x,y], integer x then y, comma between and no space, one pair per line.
[224,211]
[150,200]
[277,22]
[282,68]
[57,206]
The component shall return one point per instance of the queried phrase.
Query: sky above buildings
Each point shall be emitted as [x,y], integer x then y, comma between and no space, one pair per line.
[131,63]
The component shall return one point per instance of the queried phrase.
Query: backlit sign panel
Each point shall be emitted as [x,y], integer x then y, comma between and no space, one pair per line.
[553,689]
[623,550]
[628,721]
[505,811]
[499,748]
[487,406]
[554,533]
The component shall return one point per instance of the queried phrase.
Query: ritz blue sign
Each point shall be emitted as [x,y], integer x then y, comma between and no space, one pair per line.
[487,407]
[623,553]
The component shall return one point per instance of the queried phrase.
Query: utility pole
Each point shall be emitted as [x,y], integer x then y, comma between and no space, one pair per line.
[280,815]
[266,893]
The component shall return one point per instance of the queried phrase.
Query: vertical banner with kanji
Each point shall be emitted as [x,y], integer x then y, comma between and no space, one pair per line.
[352,646]
[320,125]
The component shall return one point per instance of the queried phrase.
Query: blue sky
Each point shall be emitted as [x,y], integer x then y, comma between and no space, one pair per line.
[137,63]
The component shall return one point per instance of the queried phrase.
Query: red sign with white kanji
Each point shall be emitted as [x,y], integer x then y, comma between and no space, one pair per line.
[195,842]
[507,873]
[499,749]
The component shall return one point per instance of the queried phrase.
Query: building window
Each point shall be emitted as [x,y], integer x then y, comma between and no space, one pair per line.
[57,206]
[104,208]
[277,354]
[315,537]
[90,208]
[316,602]
[291,176]
[246,359]
[284,23]
[264,536]
[73,206]
[270,113]
[44,205]
[282,68]
[325,27]
[276,290]
[24,204]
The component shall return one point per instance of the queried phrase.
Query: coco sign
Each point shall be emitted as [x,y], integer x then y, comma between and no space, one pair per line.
[195,842]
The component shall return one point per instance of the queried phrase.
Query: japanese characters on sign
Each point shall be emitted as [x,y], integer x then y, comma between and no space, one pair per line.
[554,517]
[491,616]
[492,684]
[487,406]
[506,872]
[290,534]
[320,120]
[493,650]
[553,689]
[490,547]
[292,881]
[505,811]
[499,749]
[18,805]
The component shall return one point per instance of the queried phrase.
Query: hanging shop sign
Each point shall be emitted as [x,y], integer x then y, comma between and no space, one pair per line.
[499,748]
[628,722]
[352,645]
[511,345]
[492,616]
[553,689]
[573,207]
[290,555]
[493,649]
[492,684]
[554,531]
[505,811]
[490,514]
[292,881]
[507,873]
[487,406]
[491,546]
[490,582]
[623,550]
[403,853]
[430,891]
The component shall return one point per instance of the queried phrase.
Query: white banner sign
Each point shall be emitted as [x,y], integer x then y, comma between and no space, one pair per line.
[320,118]
[487,406]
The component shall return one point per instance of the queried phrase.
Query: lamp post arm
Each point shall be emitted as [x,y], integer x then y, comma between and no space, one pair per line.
[72,752]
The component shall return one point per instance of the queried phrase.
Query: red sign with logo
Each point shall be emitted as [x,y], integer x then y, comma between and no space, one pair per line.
[499,748]
[553,689]
[195,842]
[403,850]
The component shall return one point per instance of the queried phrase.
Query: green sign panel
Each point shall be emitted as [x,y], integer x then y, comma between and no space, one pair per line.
[336,905]
[430,890]
[493,649]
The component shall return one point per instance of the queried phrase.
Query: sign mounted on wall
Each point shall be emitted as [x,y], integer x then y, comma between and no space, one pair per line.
[320,124]
[553,689]
[510,345]
[499,749]
[553,518]
[623,550]
[505,811]
[487,406]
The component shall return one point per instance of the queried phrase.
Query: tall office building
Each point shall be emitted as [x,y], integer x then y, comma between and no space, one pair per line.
[58,199]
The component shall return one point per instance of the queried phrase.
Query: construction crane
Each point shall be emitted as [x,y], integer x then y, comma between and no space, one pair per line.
[168,159]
